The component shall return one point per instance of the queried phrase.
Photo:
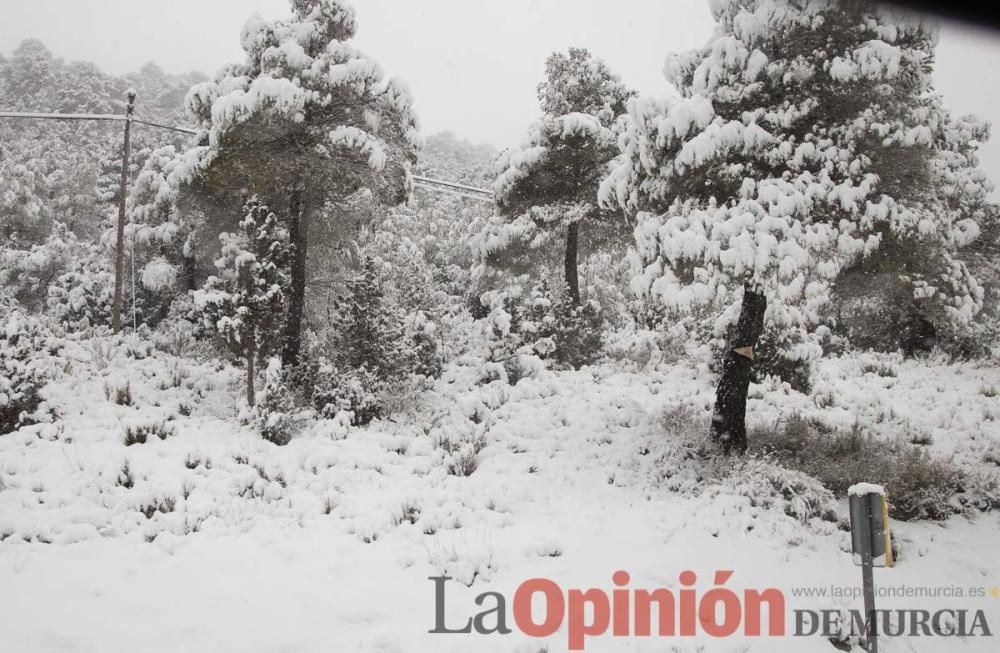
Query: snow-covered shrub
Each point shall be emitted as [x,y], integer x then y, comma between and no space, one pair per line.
[464,461]
[141,431]
[178,334]
[769,485]
[462,444]
[918,486]
[645,348]
[24,345]
[575,331]
[541,326]
[373,351]
[366,331]
[884,365]
[26,272]
[118,393]
[274,413]
[419,347]
[357,391]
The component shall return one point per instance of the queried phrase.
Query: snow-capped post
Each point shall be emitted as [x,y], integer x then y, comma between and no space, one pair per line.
[871,545]
[116,307]
[729,419]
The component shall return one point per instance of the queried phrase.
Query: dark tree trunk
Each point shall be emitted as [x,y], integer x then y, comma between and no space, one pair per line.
[189,271]
[298,232]
[729,419]
[251,395]
[572,276]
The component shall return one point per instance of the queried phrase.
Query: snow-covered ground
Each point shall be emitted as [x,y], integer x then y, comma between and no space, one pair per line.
[216,541]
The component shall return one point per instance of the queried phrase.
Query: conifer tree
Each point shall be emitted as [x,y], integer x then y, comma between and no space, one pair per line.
[807,151]
[550,184]
[246,303]
[307,122]
[368,331]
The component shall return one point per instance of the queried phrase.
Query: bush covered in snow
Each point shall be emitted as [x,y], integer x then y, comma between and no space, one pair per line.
[541,325]
[575,331]
[918,486]
[275,411]
[354,390]
[24,346]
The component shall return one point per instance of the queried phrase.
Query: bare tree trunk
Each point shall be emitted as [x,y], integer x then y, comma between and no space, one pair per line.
[572,275]
[251,352]
[729,419]
[298,232]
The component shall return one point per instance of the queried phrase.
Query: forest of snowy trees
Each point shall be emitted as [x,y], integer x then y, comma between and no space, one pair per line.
[283,258]
[805,154]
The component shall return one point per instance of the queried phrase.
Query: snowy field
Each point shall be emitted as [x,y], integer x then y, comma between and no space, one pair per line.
[215,540]
[282,370]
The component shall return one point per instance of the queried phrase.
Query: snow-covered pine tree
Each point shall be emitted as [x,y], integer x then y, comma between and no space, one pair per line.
[30,77]
[274,414]
[307,122]
[550,184]
[805,150]
[368,331]
[246,304]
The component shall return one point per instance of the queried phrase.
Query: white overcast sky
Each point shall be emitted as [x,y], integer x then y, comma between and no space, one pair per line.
[472,64]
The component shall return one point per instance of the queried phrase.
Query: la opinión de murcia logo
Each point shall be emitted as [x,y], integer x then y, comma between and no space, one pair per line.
[541,607]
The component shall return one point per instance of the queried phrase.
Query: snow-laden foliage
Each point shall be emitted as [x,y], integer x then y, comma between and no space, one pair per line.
[307,122]
[247,302]
[302,82]
[571,333]
[60,181]
[369,332]
[525,331]
[549,185]
[349,394]
[275,412]
[25,345]
[806,150]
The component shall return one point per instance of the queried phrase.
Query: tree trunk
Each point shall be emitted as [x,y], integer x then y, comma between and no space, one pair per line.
[298,232]
[729,419]
[572,276]
[251,395]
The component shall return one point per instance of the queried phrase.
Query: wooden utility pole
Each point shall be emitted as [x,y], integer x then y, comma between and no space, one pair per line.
[116,311]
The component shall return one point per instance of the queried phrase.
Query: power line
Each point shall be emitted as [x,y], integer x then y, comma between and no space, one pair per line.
[91,116]
[183,130]
[471,192]
[61,116]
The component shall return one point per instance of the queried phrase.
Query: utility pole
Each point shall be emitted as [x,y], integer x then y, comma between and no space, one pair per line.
[116,311]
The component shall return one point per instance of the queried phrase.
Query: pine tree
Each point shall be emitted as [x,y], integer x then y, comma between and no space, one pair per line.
[274,414]
[308,123]
[31,77]
[247,302]
[550,184]
[805,152]
[368,331]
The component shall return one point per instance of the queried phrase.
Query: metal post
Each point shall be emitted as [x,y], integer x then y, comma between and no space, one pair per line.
[116,311]
[867,576]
